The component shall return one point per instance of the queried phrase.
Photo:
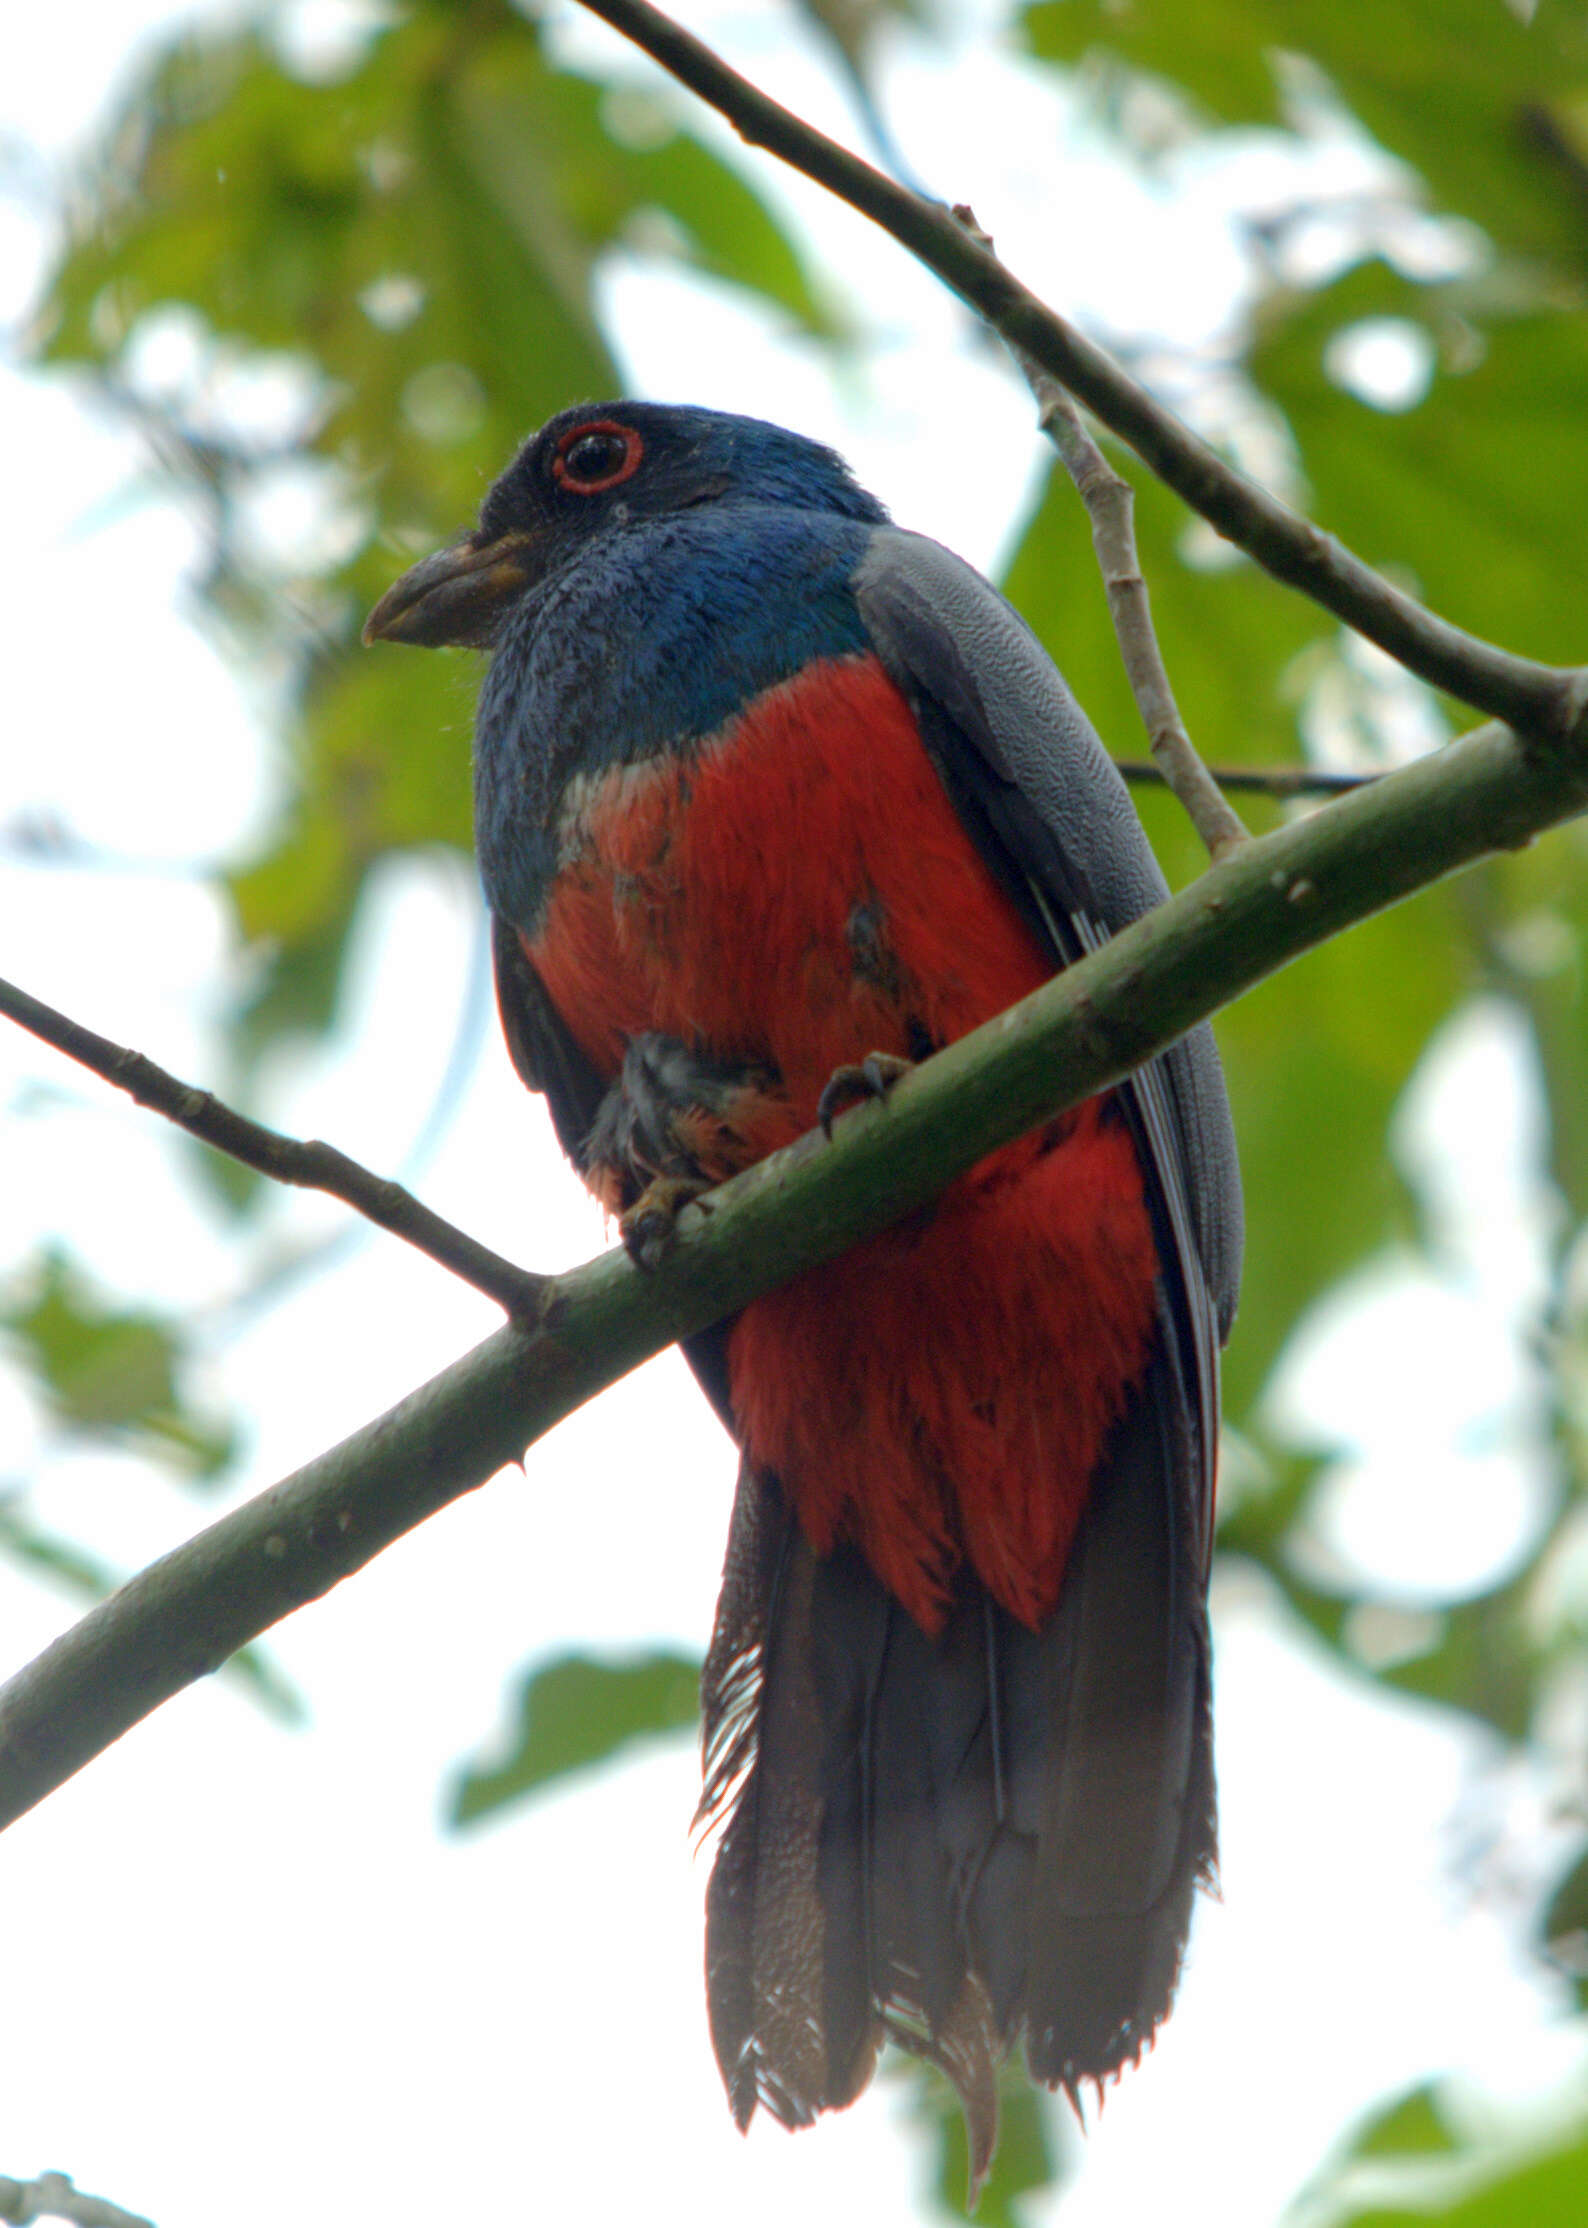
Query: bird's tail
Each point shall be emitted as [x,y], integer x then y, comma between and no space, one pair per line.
[953,1841]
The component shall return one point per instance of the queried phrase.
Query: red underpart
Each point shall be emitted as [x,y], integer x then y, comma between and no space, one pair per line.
[797,891]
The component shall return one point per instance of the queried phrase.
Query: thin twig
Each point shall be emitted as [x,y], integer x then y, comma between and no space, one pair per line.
[307,1163]
[1547,703]
[1276,897]
[1264,781]
[1110,503]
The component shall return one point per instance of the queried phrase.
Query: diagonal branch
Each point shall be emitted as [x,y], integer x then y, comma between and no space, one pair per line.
[1266,903]
[1550,702]
[311,1165]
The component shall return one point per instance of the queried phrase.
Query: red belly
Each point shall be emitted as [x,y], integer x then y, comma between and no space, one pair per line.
[798,892]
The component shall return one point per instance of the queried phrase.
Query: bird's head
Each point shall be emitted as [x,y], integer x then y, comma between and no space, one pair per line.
[594,470]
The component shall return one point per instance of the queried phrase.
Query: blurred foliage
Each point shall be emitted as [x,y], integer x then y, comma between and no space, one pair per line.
[1563,1929]
[1484,101]
[577,1711]
[110,1372]
[114,1375]
[1035,2149]
[1547,2192]
[1315,1067]
[1448,494]
[1465,474]
[1410,2127]
[401,256]
[417,237]
[855,32]
[1411,2166]
[59,1560]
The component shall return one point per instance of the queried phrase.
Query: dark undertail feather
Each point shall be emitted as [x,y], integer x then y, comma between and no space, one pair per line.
[952,1841]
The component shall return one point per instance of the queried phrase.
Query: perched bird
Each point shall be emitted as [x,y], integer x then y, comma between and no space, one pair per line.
[772,799]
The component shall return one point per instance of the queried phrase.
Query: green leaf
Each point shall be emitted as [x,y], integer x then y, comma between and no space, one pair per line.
[1483,1655]
[1482,1664]
[1527,917]
[1455,491]
[1474,94]
[1026,2160]
[1031,2156]
[422,231]
[853,25]
[1412,2126]
[1549,2192]
[1318,1056]
[1470,95]
[579,1711]
[1258,1520]
[76,1568]
[1565,1919]
[1216,53]
[111,1371]
[386,766]
[1229,634]
[420,236]
[724,228]
[269,1685]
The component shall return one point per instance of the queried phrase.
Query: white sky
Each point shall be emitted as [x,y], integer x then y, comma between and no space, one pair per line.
[247,1980]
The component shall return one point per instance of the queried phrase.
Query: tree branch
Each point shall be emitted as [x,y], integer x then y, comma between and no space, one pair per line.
[1548,701]
[1110,501]
[1110,505]
[311,1165]
[1274,898]
[1282,782]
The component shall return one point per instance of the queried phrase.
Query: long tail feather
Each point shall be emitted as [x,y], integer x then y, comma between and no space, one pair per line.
[951,1840]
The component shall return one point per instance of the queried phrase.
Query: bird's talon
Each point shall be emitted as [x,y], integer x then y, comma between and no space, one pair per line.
[649,1226]
[855,1082]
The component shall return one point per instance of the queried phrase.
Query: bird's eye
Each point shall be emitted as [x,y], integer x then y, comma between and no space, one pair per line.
[590,458]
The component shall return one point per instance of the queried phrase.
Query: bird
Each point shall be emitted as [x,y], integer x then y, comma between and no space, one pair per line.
[773,800]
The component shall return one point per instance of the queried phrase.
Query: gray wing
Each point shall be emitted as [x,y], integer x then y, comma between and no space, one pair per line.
[1028,1811]
[1051,815]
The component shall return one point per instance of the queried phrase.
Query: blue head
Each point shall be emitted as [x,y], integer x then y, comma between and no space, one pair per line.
[592,471]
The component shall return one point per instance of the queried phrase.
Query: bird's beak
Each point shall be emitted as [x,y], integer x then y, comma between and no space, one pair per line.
[459,595]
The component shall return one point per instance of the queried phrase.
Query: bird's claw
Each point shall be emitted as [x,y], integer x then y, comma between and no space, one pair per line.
[854,1083]
[649,1226]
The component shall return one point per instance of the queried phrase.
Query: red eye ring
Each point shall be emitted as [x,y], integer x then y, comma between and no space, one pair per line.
[613,457]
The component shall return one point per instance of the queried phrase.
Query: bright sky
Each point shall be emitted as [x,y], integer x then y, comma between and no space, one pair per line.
[247,1979]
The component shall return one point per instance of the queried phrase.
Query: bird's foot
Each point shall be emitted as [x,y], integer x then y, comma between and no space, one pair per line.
[854,1083]
[650,1225]
[676,1122]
